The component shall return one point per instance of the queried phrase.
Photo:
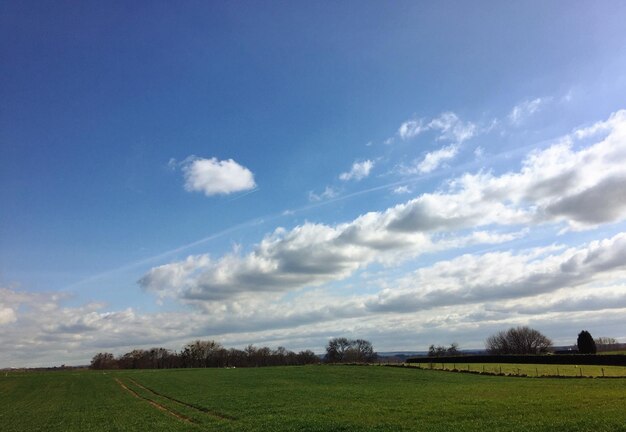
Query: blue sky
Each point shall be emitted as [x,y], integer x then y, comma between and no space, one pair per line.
[288,172]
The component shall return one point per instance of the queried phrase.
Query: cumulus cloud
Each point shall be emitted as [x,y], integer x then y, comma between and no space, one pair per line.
[292,288]
[47,333]
[308,255]
[434,159]
[525,109]
[216,177]
[448,125]
[359,171]
[555,185]
[466,297]
[474,279]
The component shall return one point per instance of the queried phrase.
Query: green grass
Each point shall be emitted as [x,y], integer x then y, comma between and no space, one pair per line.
[75,401]
[314,398]
[612,352]
[531,370]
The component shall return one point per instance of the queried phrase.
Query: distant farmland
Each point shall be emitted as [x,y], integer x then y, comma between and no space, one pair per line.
[310,398]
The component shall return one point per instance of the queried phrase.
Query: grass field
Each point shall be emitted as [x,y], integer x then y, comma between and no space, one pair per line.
[531,370]
[612,352]
[313,398]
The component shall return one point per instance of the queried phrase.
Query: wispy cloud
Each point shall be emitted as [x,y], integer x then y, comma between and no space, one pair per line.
[434,159]
[401,190]
[411,128]
[526,109]
[359,171]
[328,193]
[449,126]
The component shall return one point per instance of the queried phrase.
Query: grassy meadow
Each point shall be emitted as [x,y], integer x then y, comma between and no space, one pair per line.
[310,398]
[530,370]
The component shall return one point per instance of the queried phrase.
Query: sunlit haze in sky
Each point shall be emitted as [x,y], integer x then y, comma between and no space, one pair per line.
[281,173]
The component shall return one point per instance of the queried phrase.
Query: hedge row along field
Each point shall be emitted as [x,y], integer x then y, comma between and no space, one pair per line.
[529,370]
[563,359]
[308,398]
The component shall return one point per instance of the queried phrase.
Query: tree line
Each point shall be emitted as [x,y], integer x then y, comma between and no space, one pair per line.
[203,354]
[209,353]
[525,340]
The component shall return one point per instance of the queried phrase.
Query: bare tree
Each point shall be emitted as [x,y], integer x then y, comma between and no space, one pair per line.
[518,340]
[336,350]
[607,344]
[307,357]
[203,354]
[103,361]
[341,350]
[439,351]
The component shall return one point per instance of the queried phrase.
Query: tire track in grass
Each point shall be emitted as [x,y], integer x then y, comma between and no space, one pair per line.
[200,409]
[155,404]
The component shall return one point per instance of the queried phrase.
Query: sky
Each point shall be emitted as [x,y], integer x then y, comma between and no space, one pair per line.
[282,173]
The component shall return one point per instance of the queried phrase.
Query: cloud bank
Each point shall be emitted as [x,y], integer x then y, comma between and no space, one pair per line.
[296,287]
[577,189]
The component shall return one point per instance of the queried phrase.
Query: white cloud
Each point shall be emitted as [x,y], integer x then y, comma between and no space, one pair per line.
[480,278]
[449,126]
[411,128]
[329,193]
[359,171]
[433,159]
[401,190]
[7,315]
[525,109]
[285,290]
[468,296]
[581,189]
[215,177]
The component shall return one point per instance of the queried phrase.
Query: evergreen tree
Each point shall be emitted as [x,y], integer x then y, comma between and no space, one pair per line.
[586,344]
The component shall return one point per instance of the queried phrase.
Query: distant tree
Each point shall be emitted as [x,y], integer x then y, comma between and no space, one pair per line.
[103,361]
[518,340]
[343,350]
[606,343]
[201,353]
[586,344]
[211,354]
[236,357]
[307,357]
[360,351]
[435,351]
[440,351]
[453,349]
[336,350]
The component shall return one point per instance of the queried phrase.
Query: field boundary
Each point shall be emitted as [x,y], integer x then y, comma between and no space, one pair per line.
[564,359]
[203,410]
[490,373]
[155,404]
